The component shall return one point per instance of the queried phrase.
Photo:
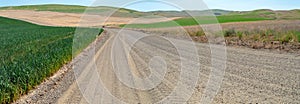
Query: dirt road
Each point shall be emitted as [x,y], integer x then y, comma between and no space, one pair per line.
[251,76]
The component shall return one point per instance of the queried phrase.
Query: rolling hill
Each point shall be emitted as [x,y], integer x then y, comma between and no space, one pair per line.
[184,19]
[235,16]
[120,12]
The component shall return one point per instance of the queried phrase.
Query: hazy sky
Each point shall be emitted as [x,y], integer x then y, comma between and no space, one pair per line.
[239,5]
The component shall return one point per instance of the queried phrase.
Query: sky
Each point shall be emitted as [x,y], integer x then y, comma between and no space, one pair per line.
[237,5]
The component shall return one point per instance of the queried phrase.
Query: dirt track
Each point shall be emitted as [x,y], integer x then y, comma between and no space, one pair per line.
[251,76]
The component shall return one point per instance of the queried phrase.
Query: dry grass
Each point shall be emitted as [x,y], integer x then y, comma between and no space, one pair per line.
[282,35]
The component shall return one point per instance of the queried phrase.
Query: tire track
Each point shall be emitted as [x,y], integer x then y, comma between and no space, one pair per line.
[251,76]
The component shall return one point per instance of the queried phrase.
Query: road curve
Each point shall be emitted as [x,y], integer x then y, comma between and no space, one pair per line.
[250,76]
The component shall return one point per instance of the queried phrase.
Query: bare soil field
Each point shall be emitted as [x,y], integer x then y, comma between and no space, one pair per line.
[72,19]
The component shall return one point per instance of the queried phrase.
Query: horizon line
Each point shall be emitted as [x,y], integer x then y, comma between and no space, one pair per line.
[154,10]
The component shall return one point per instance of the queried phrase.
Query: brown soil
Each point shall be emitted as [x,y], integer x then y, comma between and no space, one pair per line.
[71,19]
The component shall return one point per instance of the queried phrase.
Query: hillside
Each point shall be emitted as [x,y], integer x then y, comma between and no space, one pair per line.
[184,19]
[280,14]
[105,10]
[48,7]
[236,16]
[122,12]
[185,13]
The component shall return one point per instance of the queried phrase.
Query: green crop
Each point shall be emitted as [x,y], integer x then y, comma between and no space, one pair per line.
[200,20]
[30,53]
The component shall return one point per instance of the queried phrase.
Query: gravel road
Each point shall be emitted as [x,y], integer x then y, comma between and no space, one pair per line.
[115,74]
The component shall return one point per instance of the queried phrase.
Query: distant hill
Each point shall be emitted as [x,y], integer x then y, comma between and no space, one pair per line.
[279,14]
[120,12]
[123,12]
[48,7]
[186,13]
[235,16]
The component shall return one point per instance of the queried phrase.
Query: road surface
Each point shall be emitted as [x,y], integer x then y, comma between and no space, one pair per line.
[250,76]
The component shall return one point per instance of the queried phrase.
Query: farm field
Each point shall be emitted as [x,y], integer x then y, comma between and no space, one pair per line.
[30,53]
[258,29]
[50,18]
[257,15]
[70,15]
[120,12]
[274,34]
[74,9]
[50,7]
[43,61]
[197,20]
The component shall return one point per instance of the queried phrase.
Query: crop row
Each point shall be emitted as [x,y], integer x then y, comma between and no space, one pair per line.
[30,53]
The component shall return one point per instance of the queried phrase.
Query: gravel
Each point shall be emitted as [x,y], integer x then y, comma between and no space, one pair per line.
[52,88]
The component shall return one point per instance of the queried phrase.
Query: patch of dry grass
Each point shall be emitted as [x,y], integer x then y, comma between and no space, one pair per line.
[283,35]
